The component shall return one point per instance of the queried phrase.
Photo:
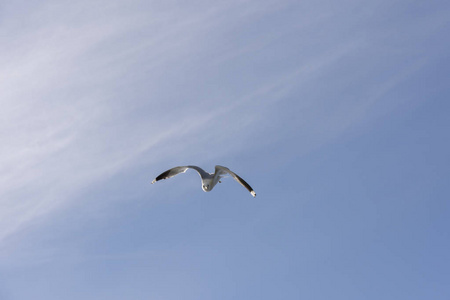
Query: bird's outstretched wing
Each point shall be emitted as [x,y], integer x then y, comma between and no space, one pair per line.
[177,170]
[223,170]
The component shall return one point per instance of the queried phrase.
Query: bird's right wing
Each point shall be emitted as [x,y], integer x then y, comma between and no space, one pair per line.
[177,170]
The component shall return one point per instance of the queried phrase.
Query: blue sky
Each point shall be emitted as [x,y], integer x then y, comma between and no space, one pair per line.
[336,112]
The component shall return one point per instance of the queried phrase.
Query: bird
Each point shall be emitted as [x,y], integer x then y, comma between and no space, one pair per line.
[209,180]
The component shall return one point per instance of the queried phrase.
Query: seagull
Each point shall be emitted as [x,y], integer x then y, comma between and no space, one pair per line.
[209,180]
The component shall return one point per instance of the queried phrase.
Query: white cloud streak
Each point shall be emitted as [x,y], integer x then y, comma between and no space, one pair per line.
[62,125]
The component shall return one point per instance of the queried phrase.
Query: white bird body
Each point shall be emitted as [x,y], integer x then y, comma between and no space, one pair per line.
[209,180]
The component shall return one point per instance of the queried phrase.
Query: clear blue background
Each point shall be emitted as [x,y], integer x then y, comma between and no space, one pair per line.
[335,112]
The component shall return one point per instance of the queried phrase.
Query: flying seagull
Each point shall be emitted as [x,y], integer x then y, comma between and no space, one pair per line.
[209,180]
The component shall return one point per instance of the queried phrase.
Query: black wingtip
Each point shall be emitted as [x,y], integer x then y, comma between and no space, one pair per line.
[162,176]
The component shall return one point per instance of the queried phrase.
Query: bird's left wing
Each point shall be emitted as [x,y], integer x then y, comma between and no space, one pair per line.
[221,170]
[170,173]
[177,170]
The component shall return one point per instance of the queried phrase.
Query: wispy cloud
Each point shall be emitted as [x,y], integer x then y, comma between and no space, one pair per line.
[65,110]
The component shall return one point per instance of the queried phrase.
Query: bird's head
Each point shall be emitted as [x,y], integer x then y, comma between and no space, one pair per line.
[206,187]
